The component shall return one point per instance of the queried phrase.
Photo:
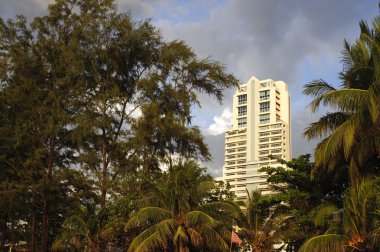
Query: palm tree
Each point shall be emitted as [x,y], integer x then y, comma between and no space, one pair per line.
[266,226]
[178,218]
[356,227]
[82,231]
[353,129]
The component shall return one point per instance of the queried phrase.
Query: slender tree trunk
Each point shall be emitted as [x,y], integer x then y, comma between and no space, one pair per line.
[104,171]
[4,231]
[45,225]
[46,199]
[33,228]
[4,228]
[12,219]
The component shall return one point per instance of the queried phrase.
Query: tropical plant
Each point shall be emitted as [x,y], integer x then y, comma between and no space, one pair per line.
[356,226]
[353,129]
[177,218]
[83,230]
[267,224]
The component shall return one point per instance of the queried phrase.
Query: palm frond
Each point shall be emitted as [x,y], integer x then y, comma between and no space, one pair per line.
[325,214]
[326,124]
[166,228]
[218,209]
[374,234]
[347,57]
[149,237]
[213,239]
[356,206]
[317,88]
[155,214]
[325,243]
[195,237]
[180,236]
[328,149]
[199,218]
[362,152]
[345,100]
[110,228]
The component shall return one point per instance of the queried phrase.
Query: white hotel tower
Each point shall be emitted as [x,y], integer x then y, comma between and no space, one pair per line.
[261,127]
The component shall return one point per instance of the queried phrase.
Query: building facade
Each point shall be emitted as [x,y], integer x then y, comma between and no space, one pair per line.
[260,127]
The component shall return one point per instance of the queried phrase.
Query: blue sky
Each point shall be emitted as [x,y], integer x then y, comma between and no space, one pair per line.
[296,41]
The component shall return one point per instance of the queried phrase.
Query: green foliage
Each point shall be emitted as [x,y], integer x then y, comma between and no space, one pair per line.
[351,132]
[357,226]
[177,218]
[92,105]
[290,209]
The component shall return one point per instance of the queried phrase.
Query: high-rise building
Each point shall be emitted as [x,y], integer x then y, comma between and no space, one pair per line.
[260,127]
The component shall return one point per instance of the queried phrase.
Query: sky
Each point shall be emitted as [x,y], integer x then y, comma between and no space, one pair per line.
[295,41]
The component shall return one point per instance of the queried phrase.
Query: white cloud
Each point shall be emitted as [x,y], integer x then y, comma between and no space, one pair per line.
[221,122]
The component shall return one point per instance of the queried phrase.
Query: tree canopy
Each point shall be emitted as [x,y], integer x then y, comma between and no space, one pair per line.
[88,93]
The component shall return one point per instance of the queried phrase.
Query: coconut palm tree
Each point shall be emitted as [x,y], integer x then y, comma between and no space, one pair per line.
[178,217]
[354,228]
[353,129]
[267,226]
[83,230]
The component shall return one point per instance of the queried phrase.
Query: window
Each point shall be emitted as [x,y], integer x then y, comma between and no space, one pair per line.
[263,140]
[263,146]
[242,122]
[264,134]
[264,118]
[276,138]
[264,107]
[242,99]
[276,132]
[242,111]
[264,95]
[276,151]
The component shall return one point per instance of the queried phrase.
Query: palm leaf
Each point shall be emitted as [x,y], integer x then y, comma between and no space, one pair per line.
[149,237]
[195,237]
[166,228]
[213,239]
[325,214]
[317,88]
[221,209]
[199,218]
[326,124]
[325,243]
[180,236]
[155,214]
[363,151]
[345,100]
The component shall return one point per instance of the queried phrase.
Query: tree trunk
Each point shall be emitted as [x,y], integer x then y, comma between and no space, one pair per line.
[4,231]
[12,219]
[45,226]
[33,228]
[46,199]
[104,171]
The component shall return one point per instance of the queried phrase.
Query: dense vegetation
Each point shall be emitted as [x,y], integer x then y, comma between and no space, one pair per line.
[98,151]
